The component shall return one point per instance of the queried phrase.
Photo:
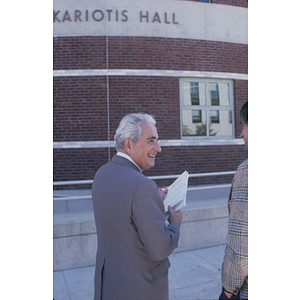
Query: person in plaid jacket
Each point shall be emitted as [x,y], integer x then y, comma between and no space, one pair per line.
[235,263]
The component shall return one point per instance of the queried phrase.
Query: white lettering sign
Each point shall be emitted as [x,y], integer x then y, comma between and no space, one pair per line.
[156,18]
[98,15]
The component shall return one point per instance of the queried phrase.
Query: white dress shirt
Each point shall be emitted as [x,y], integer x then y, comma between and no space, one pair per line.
[129,158]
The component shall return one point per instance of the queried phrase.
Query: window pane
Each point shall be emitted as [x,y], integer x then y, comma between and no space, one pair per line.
[224,94]
[196,114]
[194,93]
[218,94]
[220,123]
[214,116]
[213,94]
[193,122]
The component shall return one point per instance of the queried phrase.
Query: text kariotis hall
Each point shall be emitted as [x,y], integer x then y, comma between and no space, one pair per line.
[111,15]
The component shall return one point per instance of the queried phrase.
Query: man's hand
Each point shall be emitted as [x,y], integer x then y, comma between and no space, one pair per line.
[175,216]
[163,192]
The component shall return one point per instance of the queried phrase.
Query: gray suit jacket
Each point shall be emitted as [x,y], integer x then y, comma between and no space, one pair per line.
[133,242]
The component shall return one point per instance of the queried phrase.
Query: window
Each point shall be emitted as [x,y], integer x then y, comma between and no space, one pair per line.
[206,108]
[205,1]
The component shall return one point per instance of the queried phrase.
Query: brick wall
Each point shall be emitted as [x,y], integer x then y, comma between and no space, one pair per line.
[195,159]
[79,53]
[79,109]
[158,96]
[77,164]
[80,105]
[82,164]
[80,102]
[149,53]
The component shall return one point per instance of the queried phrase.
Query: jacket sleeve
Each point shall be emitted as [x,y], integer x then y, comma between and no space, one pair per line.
[235,264]
[149,219]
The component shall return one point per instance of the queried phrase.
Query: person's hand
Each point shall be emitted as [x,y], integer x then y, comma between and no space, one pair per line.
[162,192]
[175,216]
[228,295]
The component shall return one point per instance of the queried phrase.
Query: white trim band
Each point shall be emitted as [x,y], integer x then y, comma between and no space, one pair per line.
[162,73]
[162,143]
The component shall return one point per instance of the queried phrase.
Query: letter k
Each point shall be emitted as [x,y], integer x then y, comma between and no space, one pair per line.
[55,16]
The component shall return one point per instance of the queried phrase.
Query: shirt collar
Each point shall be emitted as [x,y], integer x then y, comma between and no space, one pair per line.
[129,158]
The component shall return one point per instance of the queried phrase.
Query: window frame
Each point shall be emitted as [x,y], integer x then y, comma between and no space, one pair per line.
[207,107]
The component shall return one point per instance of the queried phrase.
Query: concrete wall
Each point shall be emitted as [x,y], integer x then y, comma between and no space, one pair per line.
[75,242]
[156,18]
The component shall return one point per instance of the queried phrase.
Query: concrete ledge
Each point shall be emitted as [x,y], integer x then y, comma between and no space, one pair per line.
[74,252]
[74,240]
[204,224]
[73,224]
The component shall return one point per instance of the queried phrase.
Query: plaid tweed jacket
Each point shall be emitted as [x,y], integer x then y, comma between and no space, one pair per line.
[235,264]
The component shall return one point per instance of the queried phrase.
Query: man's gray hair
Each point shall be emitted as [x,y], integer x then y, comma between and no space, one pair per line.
[130,127]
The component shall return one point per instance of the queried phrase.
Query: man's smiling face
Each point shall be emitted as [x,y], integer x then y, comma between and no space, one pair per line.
[144,151]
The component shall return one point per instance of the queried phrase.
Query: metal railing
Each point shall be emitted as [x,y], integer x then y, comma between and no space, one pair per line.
[81,182]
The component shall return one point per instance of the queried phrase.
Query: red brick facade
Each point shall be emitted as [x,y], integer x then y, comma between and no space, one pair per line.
[80,105]
[149,53]
[80,102]
[82,164]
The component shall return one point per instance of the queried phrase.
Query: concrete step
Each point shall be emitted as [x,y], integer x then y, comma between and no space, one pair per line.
[204,225]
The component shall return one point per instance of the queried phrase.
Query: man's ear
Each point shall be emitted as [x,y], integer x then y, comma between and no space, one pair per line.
[128,145]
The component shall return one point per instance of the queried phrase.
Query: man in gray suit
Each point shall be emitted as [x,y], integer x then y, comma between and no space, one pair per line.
[133,240]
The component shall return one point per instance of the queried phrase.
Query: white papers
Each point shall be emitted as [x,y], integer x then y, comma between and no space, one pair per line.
[176,196]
